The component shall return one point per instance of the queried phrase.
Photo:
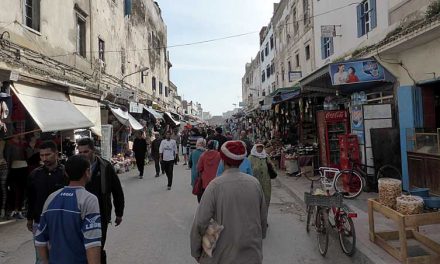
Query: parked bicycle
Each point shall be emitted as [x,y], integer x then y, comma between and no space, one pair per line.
[328,212]
[352,182]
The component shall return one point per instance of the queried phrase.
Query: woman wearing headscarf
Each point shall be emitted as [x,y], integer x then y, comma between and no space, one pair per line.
[207,165]
[194,159]
[258,160]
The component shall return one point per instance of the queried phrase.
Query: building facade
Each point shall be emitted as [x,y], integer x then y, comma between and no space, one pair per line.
[101,46]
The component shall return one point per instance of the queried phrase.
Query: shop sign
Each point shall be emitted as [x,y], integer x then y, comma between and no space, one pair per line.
[328,31]
[106,141]
[295,75]
[129,95]
[335,116]
[136,108]
[14,76]
[352,72]
[241,104]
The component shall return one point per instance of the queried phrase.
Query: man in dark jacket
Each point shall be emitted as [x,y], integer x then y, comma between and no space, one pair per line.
[104,184]
[140,150]
[155,145]
[43,181]
[219,137]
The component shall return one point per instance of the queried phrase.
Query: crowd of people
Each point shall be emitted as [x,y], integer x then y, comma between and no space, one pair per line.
[69,207]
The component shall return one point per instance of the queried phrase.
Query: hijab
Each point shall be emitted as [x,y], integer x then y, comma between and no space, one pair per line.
[201,144]
[255,153]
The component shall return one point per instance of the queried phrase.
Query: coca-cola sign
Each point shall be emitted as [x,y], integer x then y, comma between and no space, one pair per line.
[335,115]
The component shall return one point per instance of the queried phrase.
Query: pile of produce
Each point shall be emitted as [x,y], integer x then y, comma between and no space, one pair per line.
[389,190]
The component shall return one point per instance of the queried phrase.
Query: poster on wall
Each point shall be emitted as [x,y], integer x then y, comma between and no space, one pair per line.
[352,72]
[106,142]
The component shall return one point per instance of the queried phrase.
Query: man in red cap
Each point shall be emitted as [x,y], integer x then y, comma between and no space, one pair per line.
[235,201]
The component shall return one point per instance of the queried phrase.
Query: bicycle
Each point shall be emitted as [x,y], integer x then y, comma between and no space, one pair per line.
[351,182]
[321,206]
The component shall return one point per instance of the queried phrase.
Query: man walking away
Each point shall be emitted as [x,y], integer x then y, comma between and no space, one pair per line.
[184,143]
[70,222]
[104,184]
[140,150]
[235,201]
[219,137]
[42,182]
[168,152]
[155,145]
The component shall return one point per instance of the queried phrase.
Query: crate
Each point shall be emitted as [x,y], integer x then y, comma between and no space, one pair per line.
[408,228]
[323,200]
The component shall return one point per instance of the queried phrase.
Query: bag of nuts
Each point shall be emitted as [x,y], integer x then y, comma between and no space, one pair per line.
[409,205]
[389,190]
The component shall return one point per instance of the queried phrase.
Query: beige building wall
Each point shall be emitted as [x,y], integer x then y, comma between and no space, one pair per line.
[131,42]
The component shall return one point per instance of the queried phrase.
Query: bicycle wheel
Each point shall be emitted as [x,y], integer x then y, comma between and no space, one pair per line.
[349,183]
[347,235]
[310,210]
[322,229]
[388,171]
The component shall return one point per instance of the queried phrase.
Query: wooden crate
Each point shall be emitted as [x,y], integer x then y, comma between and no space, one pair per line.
[408,228]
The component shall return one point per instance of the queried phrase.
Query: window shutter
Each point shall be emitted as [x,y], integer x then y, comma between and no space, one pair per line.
[332,48]
[373,14]
[359,20]
[127,7]
[322,48]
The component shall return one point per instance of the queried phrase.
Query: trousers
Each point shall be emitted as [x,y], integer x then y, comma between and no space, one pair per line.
[168,168]
[140,163]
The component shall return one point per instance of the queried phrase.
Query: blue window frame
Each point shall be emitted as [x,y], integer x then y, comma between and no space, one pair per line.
[366,17]
[327,48]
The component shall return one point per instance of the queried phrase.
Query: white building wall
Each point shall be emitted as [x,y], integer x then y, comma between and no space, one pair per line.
[268,84]
[345,15]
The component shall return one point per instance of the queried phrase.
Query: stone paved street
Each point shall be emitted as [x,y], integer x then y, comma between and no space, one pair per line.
[157,223]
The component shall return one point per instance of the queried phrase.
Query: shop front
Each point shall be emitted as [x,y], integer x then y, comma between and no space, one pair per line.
[358,98]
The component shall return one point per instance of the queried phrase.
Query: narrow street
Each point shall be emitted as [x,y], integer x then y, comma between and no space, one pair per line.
[157,223]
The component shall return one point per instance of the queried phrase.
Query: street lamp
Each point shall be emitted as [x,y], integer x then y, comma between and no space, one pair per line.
[140,70]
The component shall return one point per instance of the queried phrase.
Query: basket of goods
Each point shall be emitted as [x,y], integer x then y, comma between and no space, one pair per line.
[389,190]
[409,205]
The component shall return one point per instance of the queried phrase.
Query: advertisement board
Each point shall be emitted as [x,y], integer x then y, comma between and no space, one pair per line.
[351,72]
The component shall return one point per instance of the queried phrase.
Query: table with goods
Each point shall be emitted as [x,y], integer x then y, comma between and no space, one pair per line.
[408,212]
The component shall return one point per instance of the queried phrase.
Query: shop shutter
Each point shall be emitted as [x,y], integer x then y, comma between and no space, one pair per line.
[373,14]
[359,20]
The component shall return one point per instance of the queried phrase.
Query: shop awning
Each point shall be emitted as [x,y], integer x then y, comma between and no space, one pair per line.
[50,109]
[125,118]
[286,96]
[153,112]
[91,109]
[170,117]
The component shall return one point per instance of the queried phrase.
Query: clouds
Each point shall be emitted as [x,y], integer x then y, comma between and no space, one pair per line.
[211,72]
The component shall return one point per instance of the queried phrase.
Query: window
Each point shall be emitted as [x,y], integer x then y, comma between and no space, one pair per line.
[166,91]
[306,12]
[266,50]
[101,49]
[295,21]
[366,17]
[153,84]
[127,7]
[263,76]
[271,42]
[282,73]
[326,47]
[262,56]
[307,49]
[272,68]
[289,66]
[297,60]
[81,35]
[160,88]
[32,14]
[268,71]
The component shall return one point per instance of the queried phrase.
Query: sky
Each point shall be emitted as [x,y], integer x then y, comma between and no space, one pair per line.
[211,73]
